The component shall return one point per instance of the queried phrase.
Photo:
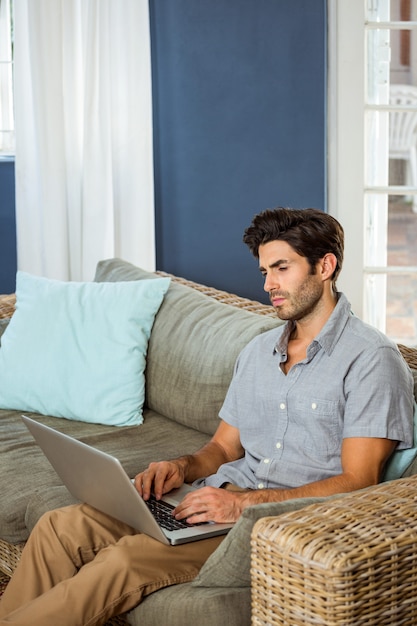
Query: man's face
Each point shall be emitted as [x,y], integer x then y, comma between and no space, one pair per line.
[294,291]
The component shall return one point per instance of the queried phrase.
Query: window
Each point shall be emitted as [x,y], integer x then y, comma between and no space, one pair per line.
[6,78]
[372,173]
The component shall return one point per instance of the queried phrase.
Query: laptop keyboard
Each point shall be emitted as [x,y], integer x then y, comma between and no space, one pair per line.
[162,512]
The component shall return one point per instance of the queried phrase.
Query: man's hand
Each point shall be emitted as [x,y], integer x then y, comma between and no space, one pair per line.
[160,478]
[163,476]
[211,504]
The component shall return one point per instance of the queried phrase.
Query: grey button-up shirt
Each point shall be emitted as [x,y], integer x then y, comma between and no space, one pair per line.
[353,383]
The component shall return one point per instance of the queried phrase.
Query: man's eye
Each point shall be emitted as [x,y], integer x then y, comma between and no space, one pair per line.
[282,269]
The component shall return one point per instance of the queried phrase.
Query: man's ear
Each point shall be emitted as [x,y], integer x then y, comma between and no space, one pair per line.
[328,265]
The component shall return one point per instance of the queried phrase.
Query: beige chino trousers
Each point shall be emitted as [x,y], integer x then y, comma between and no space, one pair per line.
[81,567]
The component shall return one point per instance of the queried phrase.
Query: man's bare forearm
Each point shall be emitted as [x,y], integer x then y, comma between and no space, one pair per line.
[204,462]
[322,488]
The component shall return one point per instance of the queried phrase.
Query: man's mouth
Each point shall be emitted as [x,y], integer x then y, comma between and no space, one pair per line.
[277,300]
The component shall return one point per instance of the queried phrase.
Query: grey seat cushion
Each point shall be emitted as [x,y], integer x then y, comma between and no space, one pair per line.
[184,605]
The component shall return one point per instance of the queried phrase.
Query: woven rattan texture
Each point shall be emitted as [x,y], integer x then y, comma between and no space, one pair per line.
[410,355]
[9,556]
[7,303]
[348,561]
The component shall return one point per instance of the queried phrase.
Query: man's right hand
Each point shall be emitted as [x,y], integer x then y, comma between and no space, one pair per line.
[160,478]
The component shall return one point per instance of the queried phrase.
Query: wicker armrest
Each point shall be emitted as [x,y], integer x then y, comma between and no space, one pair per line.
[348,561]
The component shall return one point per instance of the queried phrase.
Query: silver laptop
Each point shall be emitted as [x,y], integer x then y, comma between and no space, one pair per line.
[94,477]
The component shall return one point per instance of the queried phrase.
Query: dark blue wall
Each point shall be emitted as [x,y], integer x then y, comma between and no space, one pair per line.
[7,227]
[239,117]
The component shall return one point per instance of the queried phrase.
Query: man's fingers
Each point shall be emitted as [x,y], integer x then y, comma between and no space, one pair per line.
[159,478]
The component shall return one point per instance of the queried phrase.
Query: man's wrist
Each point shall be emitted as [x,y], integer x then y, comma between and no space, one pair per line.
[184,463]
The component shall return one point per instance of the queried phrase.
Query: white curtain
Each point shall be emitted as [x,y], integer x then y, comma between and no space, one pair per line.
[83,116]
[6,83]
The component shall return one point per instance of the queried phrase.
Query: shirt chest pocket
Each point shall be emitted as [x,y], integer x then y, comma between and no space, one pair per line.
[317,423]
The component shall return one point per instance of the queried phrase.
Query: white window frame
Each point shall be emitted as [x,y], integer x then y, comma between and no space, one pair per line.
[347,188]
[7,138]
[346,160]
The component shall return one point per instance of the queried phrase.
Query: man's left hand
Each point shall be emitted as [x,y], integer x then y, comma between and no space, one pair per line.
[211,504]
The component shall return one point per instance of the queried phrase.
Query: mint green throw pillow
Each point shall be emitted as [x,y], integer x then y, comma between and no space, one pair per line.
[78,350]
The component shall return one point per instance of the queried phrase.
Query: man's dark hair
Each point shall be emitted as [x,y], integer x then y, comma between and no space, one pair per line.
[310,232]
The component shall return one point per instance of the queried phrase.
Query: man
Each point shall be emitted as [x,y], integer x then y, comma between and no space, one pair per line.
[316,407]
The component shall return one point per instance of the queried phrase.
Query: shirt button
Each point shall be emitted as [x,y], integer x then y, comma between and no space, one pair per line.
[260,486]
[278,445]
[266,461]
[314,406]
[282,406]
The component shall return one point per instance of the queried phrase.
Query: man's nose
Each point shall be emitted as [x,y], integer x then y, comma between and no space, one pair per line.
[270,283]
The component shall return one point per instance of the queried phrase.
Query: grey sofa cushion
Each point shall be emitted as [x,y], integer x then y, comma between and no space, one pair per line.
[184,605]
[193,347]
[229,565]
[43,500]
[412,468]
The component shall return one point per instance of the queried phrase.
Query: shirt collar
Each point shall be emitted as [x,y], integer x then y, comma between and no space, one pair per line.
[329,334]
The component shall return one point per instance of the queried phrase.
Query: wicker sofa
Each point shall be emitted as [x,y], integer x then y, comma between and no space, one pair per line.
[183,396]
